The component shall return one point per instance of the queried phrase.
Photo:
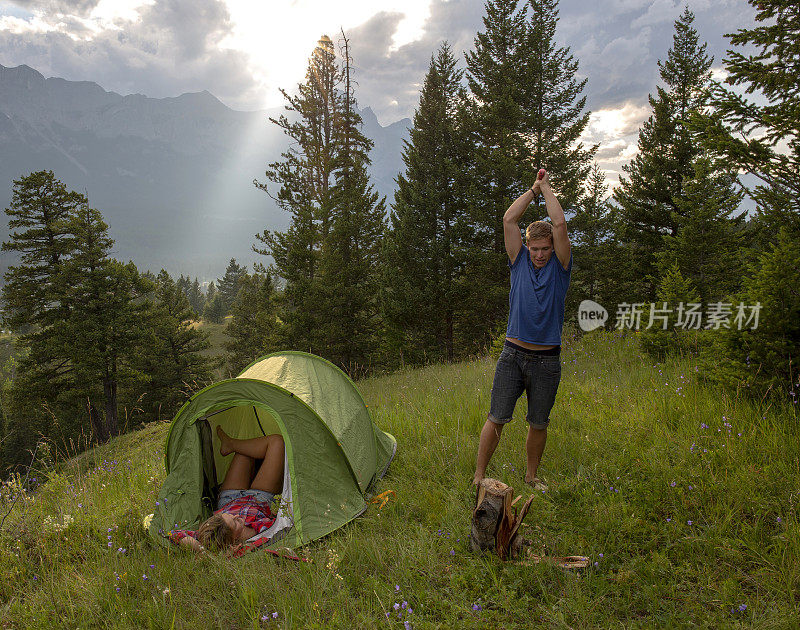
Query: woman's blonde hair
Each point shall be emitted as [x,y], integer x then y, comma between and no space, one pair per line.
[539,229]
[215,534]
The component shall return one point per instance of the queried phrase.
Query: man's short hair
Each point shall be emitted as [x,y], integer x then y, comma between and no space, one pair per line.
[537,230]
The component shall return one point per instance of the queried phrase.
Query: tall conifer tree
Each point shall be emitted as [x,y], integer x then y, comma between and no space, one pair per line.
[228,285]
[649,196]
[591,233]
[423,249]
[304,178]
[107,312]
[171,354]
[762,135]
[350,264]
[39,220]
[254,330]
[708,246]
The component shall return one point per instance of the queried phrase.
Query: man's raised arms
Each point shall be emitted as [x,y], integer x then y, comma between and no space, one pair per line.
[511,232]
[561,243]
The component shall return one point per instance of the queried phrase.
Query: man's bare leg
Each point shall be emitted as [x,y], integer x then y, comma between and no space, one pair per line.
[490,438]
[534,447]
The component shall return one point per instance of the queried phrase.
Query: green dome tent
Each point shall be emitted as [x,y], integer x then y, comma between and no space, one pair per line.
[334,452]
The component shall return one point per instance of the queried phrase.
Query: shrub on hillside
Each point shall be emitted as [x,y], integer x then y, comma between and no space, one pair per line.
[763,360]
[673,297]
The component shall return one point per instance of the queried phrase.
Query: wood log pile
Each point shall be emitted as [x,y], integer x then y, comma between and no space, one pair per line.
[495,520]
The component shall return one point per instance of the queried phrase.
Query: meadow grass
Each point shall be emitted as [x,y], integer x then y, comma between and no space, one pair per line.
[685,500]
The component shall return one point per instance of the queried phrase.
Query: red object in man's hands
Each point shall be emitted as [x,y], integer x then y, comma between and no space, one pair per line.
[542,173]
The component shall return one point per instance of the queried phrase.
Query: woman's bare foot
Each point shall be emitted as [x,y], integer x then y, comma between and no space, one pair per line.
[224,442]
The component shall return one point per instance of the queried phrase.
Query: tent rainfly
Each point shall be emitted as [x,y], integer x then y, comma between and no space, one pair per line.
[334,452]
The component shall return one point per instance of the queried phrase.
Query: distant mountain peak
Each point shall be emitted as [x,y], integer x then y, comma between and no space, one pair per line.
[20,73]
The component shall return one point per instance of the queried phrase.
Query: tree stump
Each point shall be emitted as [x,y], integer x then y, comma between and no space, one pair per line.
[495,522]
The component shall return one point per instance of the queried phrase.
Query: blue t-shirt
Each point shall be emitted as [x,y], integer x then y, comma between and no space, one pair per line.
[536,299]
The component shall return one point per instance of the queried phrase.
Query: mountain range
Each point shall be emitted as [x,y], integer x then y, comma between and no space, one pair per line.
[173,177]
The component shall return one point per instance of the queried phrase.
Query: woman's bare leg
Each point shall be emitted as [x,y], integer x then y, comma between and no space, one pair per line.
[239,474]
[270,448]
[253,448]
[270,474]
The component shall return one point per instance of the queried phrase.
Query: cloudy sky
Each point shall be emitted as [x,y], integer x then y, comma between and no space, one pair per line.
[243,51]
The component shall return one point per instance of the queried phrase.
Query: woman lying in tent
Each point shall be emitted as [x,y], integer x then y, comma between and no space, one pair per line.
[244,508]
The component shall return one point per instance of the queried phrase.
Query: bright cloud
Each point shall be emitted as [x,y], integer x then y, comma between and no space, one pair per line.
[279,36]
[619,121]
[22,26]
[616,132]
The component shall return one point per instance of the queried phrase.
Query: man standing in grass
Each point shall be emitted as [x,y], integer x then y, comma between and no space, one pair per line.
[530,360]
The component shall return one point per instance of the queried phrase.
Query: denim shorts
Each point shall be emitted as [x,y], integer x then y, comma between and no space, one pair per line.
[519,371]
[226,496]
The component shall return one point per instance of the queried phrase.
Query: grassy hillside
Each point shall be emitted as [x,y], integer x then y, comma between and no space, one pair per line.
[686,501]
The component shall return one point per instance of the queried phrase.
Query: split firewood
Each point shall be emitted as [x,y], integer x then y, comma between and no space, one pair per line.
[495,522]
[563,562]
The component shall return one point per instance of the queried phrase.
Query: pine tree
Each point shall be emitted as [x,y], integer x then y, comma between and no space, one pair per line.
[759,131]
[211,291]
[171,355]
[214,310]
[591,229]
[422,250]
[760,356]
[649,196]
[228,286]
[40,211]
[183,284]
[196,298]
[350,264]
[708,245]
[106,304]
[305,178]
[254,329]
[526,112]
[553,108]
[84,313]
[668,329]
